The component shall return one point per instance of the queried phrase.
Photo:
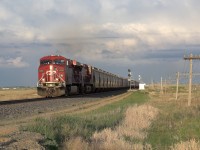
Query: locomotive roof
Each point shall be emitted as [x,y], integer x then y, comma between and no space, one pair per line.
[52,57]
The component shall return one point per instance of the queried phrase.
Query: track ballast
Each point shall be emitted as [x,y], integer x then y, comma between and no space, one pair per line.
[24,108]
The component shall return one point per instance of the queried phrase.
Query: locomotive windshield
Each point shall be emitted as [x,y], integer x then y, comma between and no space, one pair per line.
[45,62]
[57,62]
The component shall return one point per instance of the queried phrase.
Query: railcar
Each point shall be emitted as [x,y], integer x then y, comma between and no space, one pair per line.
[59,76]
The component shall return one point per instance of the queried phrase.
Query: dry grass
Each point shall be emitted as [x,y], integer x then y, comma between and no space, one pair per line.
[21,93]
[188,145]
[76,144]
[137,120]
[129,133]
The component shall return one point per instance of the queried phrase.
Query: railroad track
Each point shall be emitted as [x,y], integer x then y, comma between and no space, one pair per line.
[10,102]
[29,107]
[7,102]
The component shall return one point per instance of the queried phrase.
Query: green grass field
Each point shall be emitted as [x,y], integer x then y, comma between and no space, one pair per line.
[175,123]
[59,129]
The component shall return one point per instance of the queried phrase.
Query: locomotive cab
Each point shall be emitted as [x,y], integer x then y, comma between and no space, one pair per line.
[51,76]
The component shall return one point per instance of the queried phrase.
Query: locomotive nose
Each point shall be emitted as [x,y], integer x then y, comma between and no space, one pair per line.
[50,73]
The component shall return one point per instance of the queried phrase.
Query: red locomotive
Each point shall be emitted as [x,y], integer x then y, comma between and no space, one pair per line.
[59,76]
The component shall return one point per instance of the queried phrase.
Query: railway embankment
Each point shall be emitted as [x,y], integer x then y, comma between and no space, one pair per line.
[102,113]
[137,120]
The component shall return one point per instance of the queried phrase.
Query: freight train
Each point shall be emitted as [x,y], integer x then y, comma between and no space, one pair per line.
[59,76]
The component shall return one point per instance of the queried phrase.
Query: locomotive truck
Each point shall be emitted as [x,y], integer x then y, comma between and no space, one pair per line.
[59,76]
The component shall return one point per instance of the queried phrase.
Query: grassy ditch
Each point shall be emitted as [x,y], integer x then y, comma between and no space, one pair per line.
[175,124]
[63,128]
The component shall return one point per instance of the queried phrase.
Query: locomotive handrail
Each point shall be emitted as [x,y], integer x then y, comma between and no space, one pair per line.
[61,78]
[49,73]
[40,79]
[54,72]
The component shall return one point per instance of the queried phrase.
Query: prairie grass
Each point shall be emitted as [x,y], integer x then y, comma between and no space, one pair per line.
[127,124]
[176,125]
[130,133]
[68,130]
[188,145]
[76,144]
[19,93]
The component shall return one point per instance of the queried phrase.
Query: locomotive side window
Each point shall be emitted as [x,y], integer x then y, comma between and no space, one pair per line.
[45,62]
[59,62]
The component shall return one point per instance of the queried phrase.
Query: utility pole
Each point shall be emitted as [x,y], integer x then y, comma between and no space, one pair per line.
[190,58]
[161,86]
[177,84]
[129,75]
[165,85]
[152,84]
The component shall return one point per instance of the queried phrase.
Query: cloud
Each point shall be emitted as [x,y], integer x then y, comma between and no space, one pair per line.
[130,42]
[99,32]
[13,63]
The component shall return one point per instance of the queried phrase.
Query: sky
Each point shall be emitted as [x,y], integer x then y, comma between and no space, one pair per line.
[150,37]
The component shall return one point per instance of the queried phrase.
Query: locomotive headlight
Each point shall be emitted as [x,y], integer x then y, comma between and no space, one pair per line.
[61,75]
[57,79]
[43,79]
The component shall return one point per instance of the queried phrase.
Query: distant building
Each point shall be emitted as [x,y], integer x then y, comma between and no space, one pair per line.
[142,86]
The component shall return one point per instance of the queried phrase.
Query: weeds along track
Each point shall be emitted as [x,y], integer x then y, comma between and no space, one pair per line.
[12,116]
[29,100]
[46,107]
[95,104]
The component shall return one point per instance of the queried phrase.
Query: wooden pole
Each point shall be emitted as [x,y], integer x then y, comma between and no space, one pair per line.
[165,86]
[177,84]
[190,82]
[161,86]
[190,58]
[152,84]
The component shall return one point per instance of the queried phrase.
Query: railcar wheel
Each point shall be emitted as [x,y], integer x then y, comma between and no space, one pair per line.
[67,90]
[82,90]
[66,93]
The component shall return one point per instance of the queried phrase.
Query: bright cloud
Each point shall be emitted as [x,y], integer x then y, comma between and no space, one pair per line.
[13,63]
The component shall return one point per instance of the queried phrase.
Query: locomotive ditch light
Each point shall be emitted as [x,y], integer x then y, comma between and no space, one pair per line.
[74,62]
